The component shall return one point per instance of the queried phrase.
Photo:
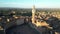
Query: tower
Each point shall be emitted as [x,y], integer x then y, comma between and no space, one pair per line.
[33,14]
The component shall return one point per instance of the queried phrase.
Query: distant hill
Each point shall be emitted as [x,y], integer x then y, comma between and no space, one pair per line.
[26,11]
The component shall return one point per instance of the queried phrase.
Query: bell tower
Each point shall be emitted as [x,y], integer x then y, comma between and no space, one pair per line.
[33,14]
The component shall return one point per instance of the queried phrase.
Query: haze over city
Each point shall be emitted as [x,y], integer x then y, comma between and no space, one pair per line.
[30,3]
[29,16]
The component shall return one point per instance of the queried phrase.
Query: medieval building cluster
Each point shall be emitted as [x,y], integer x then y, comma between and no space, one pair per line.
[41,19]
[46,22]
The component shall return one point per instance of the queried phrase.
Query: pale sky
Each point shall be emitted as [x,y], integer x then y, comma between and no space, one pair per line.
[30,3]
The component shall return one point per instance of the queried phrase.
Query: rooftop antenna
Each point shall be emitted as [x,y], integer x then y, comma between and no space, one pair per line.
[34,2]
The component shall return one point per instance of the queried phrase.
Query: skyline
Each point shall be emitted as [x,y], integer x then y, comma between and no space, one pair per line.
[30,3]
